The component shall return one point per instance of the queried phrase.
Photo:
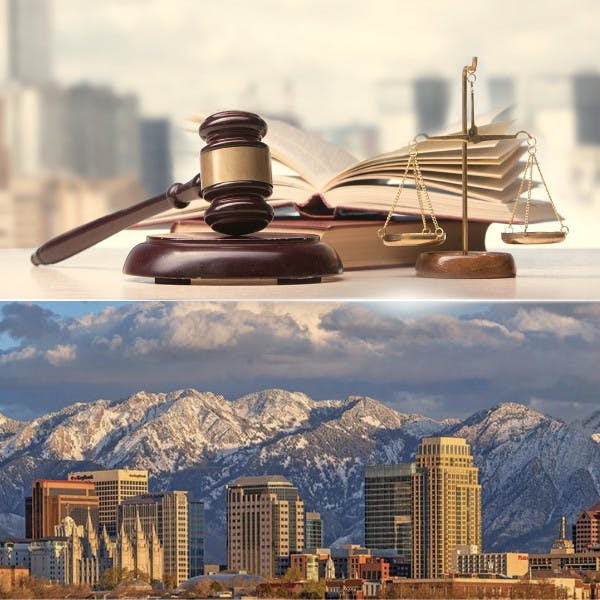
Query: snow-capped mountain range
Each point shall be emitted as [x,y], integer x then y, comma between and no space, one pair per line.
[533,468]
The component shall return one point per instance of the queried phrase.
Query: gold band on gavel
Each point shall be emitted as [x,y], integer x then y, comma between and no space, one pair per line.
[236,163]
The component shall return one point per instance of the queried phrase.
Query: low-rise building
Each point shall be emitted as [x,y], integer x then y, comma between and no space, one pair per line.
[555,563]
[307,565]
[11,577]
[490,587]
[507,564]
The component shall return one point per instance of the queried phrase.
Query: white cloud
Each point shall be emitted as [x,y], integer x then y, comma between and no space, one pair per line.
[540,320]
[61,354]
[23,354]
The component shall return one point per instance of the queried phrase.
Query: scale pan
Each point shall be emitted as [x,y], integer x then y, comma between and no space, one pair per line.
[533,237]
[414,239]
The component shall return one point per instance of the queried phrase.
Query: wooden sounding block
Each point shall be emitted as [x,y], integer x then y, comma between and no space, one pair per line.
[472,265]
[182,259]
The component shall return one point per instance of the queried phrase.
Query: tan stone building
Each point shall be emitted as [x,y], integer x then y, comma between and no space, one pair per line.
[112,487]
[446,504]
[265,524]
[162,514]
[139,553]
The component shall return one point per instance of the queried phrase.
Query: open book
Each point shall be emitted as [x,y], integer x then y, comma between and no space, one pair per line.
[323,179]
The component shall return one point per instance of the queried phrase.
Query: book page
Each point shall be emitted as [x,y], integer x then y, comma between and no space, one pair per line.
[445,205]
[312,157]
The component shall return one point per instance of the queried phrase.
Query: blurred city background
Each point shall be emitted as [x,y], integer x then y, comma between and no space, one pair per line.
[95,98]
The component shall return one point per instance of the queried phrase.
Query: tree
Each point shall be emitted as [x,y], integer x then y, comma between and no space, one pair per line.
[112,577]
[314,589]
[170,581]
[291,575]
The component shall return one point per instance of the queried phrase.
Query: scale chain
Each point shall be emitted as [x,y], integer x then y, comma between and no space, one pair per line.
[421,190]
[528,175]
[381,232]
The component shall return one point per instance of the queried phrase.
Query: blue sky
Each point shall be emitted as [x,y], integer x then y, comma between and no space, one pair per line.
[440,359]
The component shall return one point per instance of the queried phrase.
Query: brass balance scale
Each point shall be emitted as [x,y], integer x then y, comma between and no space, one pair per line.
[467,264]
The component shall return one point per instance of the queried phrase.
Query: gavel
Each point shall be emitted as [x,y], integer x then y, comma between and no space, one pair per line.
[235,177]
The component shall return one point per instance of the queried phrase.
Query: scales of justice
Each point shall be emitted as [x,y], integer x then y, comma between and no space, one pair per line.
[235,178]
[465,264]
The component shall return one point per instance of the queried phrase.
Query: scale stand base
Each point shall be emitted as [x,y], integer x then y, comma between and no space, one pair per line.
[181,259]
[472,265]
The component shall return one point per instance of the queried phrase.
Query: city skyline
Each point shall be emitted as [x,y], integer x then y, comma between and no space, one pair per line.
[444,480]
[248,54]
[441,360]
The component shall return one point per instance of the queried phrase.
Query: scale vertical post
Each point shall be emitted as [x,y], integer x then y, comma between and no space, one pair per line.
[465,132]
[463,264]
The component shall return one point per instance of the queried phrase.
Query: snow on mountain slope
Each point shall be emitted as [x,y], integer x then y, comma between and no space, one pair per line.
[532,468]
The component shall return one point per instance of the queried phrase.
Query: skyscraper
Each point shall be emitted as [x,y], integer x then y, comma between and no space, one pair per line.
[502,92]
[431,102]
[103,131]
[265,524]
[313,530]
[26,38]
[167,514]
[112,487]
[53,500]
[155,152]
[446,504]
[586,88]
[388,507]
[196,537]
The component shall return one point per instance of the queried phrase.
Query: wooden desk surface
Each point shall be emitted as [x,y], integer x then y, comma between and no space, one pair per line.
[542,274]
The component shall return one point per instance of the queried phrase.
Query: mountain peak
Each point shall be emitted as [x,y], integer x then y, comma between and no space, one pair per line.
[274,403]
[8,425]
[500,423]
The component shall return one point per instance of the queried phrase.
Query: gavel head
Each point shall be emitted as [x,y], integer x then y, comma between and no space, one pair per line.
[235,169]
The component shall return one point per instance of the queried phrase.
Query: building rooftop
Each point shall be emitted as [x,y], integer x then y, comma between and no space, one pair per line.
[261,480]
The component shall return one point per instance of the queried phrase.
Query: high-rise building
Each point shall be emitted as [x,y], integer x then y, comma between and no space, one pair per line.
[502,92]
[446,504]
[53,500]
[28,517]
[313,530]
[112,487]
[586,88]
[431,102]
[196,537]
[586,531]
[155,152]
[265,524]
[26,40]
[167,514]
[388,508]
[104,137]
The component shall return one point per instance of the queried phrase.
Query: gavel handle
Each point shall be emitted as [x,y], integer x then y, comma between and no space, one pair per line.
[179,195]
